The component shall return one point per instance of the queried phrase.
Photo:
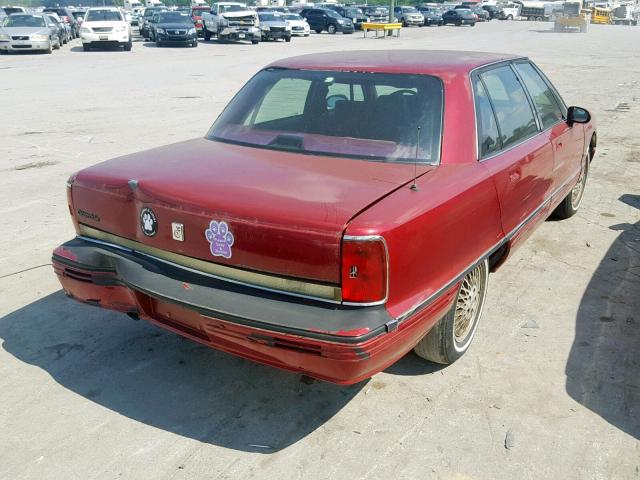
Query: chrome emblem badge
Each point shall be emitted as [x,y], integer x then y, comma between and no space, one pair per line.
[177,230]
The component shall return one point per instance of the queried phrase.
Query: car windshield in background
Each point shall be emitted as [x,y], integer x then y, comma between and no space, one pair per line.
[409,10]
[372,116]
[352,12]
[103,16]
[174,18]
[12,10]
[270,17]
[24,21]
[232,8]
[292,16]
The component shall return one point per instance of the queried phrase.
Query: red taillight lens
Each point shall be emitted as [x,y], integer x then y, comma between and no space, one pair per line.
[364,270]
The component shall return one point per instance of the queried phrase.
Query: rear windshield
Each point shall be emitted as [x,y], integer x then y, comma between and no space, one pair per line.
[373,116]
[270,17]
[174,18]
[103,16]
[231,8]
[24,21]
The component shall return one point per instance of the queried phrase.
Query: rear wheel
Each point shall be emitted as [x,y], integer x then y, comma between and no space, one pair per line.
[127,46]
[509,17]
[287,39]
[331,29]
[571,203]
[318,30]
[207,35]
[450,338]
[255,42]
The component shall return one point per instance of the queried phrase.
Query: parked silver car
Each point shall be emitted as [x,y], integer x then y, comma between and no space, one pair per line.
[273,26]
[22,31]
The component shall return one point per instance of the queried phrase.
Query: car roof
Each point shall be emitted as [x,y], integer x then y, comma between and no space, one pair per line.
[394,61]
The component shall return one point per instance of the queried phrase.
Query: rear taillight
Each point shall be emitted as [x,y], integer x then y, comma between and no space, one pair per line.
[364,270]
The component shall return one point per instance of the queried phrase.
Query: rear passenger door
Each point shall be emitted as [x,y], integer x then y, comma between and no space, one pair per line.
[511,145]
[567,142]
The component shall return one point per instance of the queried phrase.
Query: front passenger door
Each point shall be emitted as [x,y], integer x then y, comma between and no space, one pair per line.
[567,142]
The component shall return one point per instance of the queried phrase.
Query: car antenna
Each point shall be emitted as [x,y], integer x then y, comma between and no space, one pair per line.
[414,186]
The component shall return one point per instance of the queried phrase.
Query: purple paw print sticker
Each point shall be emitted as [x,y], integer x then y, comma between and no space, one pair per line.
[220,239]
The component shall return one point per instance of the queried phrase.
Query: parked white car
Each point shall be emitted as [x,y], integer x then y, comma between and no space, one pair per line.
[105,26]
[299,25]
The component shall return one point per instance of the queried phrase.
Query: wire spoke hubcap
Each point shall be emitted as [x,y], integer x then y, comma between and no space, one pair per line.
[469,303]
[578,189]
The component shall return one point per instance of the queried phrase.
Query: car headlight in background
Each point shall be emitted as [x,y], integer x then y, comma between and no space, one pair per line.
[85,30]
[120,29]
[192,31]
[4,37]
[264,28]
[39,38]
[160,30]
[341,22]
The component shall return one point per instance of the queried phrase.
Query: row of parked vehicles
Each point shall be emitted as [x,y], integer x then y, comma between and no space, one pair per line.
[53,27]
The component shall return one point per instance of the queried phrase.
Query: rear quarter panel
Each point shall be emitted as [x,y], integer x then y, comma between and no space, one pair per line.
[435,233]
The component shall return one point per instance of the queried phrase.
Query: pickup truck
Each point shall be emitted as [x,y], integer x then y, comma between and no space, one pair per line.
[231,21]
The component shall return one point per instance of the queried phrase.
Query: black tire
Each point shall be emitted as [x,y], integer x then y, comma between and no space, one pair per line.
[331,28]
[441,344]
[158,44]
[49,48]
[570,204]
[472,25]
[404,23]
[207,35]
[318,30]
[86,47]
[287,39]
[255,42]
[509,17]
[58,45]
[127,46]
[222,39]
[194,44]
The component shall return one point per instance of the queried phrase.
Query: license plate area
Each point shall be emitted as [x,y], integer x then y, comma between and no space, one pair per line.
[241,35]
[103,37]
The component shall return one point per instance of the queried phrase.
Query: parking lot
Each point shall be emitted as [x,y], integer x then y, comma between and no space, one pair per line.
[550,388]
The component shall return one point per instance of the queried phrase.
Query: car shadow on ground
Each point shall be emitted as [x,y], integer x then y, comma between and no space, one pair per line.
[160,379]
[603,369]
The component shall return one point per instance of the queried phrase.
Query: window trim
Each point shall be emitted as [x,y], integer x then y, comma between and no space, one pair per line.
[476,72]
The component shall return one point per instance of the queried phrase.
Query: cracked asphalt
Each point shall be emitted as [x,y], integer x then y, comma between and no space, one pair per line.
[549,389]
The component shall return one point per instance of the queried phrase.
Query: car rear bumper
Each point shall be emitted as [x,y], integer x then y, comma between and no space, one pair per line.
[335,343]
[176,39]
[28,45]
[108,37]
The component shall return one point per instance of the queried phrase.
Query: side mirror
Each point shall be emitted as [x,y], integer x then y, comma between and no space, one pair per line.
[577,115]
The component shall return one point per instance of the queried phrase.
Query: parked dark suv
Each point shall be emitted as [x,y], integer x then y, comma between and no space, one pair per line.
[66,15]
[356,15]
[320,19]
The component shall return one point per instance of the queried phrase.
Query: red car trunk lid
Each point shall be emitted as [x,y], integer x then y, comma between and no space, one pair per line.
[286,212]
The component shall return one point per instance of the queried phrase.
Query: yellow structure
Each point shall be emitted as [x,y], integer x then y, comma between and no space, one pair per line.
[601,15]
[382,27]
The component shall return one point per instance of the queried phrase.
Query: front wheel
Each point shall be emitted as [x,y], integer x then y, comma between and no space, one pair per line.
[255,42]
[509,17]
[571,203]
[450,338]
[287,39]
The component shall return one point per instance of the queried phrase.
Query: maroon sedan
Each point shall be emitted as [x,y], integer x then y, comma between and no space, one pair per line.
[342,210]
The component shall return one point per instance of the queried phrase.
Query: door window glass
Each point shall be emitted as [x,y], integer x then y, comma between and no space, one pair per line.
[488,135]
[543,97]
[515,117]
